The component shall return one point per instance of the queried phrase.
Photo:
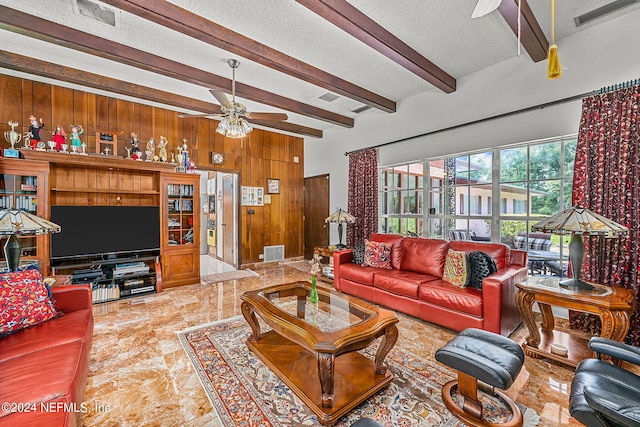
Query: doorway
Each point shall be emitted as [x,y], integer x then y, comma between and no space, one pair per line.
[222,216]
[316,210]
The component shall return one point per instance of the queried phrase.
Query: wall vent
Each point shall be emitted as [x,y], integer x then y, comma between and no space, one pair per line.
[329,97]
[602,10]
[361,109]
[97,12]
[273,253]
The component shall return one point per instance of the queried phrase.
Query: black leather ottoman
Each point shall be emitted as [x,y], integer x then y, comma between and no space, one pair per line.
[486,361]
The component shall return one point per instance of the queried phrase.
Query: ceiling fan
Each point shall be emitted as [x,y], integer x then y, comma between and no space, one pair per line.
[233,120]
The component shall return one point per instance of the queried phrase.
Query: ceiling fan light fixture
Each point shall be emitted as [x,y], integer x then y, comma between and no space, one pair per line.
[233,127]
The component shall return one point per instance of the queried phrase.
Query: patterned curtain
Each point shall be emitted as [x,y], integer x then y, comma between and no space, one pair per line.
[607,180]
[363,195]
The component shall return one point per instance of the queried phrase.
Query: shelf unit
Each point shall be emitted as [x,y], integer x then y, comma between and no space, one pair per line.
[23,185]
[180,217]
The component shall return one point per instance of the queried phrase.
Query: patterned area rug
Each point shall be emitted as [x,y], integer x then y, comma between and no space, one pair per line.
[230,275]
[246,393]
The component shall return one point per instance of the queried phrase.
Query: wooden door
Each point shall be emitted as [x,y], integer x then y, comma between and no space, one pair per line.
[228,246]
[316,210]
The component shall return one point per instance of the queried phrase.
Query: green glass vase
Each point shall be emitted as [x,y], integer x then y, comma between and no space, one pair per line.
[313,296]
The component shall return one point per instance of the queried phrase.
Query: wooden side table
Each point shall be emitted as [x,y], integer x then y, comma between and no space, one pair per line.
[327,252]
[612,304]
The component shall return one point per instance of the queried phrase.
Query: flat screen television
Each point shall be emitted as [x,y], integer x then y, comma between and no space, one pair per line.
[104,230]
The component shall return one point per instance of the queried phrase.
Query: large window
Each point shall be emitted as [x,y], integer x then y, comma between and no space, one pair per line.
[493,195]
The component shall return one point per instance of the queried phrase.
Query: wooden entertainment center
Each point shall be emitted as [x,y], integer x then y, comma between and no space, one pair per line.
[65,179]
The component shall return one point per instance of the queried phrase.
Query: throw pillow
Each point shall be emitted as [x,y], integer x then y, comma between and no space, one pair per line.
[357,254]
[482,265]
[377,254]
[24,301]
[456,268]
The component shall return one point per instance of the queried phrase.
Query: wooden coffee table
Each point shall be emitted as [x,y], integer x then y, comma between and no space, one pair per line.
[313,347]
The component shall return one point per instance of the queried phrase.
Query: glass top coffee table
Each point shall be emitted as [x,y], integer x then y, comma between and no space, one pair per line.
[313,347]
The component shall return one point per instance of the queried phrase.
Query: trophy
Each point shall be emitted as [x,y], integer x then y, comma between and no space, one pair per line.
[52,145]
[12,138]
[180,156]
[65,147]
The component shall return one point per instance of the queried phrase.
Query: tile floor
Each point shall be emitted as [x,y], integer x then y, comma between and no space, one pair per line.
[139,374]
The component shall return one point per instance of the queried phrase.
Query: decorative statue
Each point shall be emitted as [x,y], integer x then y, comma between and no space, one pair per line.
[35,130]
[12,136]
[135,149]
[59,137]
[150,149]
[76,131]
[27,140]
[162,145]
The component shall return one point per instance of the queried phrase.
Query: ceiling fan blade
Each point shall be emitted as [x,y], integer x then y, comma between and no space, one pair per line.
[267,116]
[189,116]
[222,98]
[485,7]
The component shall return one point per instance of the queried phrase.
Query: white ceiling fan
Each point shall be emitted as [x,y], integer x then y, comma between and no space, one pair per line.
[234,123]
[485,7]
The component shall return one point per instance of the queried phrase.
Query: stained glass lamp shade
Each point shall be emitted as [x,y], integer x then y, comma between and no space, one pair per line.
[579,221]
[14,222]
[341,217]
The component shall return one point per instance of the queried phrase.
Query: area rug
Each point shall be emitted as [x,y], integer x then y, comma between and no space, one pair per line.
[244,392]
[229,275]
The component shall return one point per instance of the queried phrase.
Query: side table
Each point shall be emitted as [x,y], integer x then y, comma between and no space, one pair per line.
[612,304]
[326,252]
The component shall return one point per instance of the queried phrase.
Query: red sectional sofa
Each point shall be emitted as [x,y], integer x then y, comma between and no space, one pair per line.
[44,368]
[414,285]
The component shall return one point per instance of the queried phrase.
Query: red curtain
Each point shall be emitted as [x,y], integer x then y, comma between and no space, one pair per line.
[607,180]
[363,195]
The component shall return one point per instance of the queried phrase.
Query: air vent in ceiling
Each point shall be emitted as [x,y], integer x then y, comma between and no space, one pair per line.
[97,12]
[361,109]
[602,10]
[329,97]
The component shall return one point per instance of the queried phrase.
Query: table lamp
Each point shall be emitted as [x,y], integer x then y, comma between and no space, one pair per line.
[579,221]
[340,217]
[14,222]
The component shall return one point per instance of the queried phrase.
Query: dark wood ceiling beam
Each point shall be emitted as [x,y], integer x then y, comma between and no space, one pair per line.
[343,15]
[188,23]
[288,127]
[32,26]
[532,37]
[25,64]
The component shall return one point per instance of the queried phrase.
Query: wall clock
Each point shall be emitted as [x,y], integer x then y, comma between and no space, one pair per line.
[217,158]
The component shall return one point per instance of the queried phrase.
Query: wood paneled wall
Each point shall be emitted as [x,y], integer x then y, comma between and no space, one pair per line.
[261,155]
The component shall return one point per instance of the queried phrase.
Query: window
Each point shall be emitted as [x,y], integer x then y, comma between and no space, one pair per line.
[530,181]
[401,199]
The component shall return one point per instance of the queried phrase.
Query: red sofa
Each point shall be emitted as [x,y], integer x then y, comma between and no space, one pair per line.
[414,285]
[44,368]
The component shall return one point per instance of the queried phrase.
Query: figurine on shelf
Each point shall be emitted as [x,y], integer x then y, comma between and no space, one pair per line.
[150,149]
[135,149]
[162,145]
[59,137]
[27,140]
[35,128]
[76,131]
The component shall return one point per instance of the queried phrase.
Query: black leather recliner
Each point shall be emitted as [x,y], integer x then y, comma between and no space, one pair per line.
[606,395]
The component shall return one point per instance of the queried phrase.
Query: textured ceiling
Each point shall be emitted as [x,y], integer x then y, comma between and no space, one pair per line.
[442,31]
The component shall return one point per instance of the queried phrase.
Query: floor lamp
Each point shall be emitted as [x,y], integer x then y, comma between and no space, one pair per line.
[341,217]
[18,222]
[579,221]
